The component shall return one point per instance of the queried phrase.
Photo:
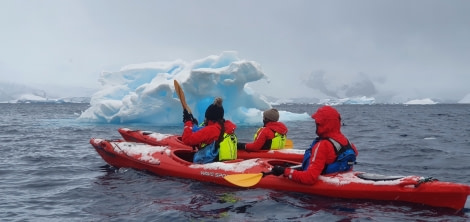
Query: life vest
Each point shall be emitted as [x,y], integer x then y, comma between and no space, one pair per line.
[197,127]
[228,147]
[276,143]
[345,157]
[308,154]
[225,150]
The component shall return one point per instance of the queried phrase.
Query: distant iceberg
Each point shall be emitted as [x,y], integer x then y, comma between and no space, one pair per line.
[421,102]
[466,99]
[30,98]
[18,93]
[358,100]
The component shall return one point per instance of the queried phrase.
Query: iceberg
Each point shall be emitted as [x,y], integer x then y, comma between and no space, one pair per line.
[144,93]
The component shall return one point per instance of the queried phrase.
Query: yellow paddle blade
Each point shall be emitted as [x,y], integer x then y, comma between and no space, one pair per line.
[244,180]
[289,144]
[180,93]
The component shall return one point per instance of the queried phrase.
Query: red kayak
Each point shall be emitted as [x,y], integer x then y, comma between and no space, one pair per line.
[159,139]
[176,162]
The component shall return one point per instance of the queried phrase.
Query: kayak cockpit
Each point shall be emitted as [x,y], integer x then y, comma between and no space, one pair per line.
[377,177]
[183,156]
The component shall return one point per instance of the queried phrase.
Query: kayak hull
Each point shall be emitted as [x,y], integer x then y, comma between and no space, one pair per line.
[175,162]
[407,189]
[159,139]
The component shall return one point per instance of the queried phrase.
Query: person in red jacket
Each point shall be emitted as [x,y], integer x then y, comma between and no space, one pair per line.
[323,155]
[214,130]
[271,136]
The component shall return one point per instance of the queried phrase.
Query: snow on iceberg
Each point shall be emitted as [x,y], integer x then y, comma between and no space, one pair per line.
[144,93]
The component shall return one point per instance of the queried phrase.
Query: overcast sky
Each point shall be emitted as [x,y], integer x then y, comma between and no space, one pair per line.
[340,48]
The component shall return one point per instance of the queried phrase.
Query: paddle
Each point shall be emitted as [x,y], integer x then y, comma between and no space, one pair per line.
[249,179]
[180,93]
[246,179]
[289,144]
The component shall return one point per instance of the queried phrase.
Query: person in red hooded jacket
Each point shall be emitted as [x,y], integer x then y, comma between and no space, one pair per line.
[323,155]
[215,130]
[271,136]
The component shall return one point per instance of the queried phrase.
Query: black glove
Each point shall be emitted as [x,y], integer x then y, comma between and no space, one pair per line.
[187,116]
[278,170]
[241,146]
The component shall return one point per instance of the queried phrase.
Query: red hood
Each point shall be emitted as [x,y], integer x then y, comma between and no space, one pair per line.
[230,127]
[328,121]
[277,127]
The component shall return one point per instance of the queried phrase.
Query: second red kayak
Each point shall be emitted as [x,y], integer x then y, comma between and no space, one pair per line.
[174,141]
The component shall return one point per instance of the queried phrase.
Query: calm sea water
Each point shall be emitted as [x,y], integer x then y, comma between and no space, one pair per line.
[50,172]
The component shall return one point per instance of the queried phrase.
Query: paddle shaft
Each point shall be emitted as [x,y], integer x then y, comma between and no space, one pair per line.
[181,96]
[249,179]
[296,167]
